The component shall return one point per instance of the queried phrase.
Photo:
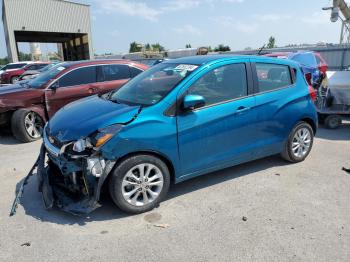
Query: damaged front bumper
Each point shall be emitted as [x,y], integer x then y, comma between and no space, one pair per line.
[70,182]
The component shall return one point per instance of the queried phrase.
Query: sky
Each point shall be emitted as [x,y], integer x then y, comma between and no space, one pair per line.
[175,23]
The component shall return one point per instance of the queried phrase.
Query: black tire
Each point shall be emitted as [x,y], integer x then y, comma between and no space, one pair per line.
[117,177]
[333,121]
[14,79]
[19,128]
[287,154]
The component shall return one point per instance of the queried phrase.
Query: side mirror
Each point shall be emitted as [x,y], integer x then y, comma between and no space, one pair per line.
[191,102]
[54,86]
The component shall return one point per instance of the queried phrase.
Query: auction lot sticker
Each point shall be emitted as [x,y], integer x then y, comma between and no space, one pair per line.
[186,67]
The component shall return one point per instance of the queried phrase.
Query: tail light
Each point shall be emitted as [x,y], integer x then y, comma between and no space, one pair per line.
[308,78]
[313,93]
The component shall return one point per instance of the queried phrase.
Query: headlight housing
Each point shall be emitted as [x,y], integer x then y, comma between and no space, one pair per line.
[97,139]
[105,134]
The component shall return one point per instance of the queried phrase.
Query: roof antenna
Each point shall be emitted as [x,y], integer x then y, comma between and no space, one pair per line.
[261,49]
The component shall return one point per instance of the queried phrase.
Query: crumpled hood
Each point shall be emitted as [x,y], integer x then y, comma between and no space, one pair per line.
[12,89]
[83,117]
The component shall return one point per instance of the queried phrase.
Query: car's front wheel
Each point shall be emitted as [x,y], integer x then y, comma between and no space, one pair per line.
[26,125]
[14,79]
[299,143]
[139,183]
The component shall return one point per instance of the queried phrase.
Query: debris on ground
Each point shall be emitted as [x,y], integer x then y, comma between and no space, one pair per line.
[244,218]
[161,225]
[104,232]
[277,174]
[347,170]
[26,244]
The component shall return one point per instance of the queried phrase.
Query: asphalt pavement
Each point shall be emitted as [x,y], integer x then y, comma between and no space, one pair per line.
[265,210]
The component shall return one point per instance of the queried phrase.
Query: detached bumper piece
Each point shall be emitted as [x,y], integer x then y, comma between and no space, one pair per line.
[69,183]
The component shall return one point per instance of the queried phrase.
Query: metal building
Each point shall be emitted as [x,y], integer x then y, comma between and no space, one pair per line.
[48,21]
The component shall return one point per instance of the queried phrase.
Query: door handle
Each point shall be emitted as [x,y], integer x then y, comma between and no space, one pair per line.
[242,109]
[92,90]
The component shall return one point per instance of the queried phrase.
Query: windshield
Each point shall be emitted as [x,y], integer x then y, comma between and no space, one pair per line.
[151,86]
[47,67]
[306,59]
[46,76]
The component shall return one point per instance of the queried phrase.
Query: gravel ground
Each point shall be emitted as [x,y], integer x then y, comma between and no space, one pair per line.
[264,210]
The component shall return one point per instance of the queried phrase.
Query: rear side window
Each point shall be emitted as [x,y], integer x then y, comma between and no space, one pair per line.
[273,76]
[221,84]
[113,72]
[80,76]
[135,71]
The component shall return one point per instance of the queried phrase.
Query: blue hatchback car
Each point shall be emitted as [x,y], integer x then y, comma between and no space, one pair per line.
[178,120]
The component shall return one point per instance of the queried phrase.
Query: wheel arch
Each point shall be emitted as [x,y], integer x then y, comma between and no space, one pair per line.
[311,122]
[161,156]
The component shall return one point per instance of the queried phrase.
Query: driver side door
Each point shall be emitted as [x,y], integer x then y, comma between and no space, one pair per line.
[222,132]
[75,84]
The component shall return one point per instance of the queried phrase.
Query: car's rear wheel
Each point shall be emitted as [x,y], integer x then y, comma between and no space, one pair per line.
[299,143]
[26,125]
[139,183]
[333,121]
[14,79]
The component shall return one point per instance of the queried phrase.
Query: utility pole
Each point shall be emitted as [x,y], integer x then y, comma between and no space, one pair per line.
[343,7]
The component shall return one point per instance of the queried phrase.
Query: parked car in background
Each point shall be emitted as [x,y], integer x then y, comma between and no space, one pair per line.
[13,66]
[12,76]
[178,120]
[27,105]
[30,74]
[312,64]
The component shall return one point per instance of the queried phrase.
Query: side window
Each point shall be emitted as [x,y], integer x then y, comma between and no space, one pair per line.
[41,66]
[32,67]
[135,71]
[80,76]
[273,76]
[221,84]
[113,72]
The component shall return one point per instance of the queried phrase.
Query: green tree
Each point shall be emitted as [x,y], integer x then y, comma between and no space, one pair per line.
[4,61]
[135,47]
[222,48]
[148,47]
[158,47]
[24,57]
[271,43]
[188,46]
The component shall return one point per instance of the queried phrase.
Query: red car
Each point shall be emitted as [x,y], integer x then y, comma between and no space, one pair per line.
[12,76]
[27,105]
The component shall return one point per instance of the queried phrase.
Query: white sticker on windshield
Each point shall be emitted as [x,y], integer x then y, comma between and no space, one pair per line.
[186,67]
[60,68]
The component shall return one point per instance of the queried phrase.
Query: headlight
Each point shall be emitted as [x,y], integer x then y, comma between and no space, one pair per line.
[98,139]
[80,145]
[104,134]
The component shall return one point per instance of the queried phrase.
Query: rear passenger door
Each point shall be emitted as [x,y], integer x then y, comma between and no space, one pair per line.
[275,90]
[112,77]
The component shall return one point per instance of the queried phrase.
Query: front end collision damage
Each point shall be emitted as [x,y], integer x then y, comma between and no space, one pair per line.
[71,182]
[73,185]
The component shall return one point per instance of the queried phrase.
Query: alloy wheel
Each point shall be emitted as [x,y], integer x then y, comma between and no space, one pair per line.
[301,142]
[33,125]
[142,184]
